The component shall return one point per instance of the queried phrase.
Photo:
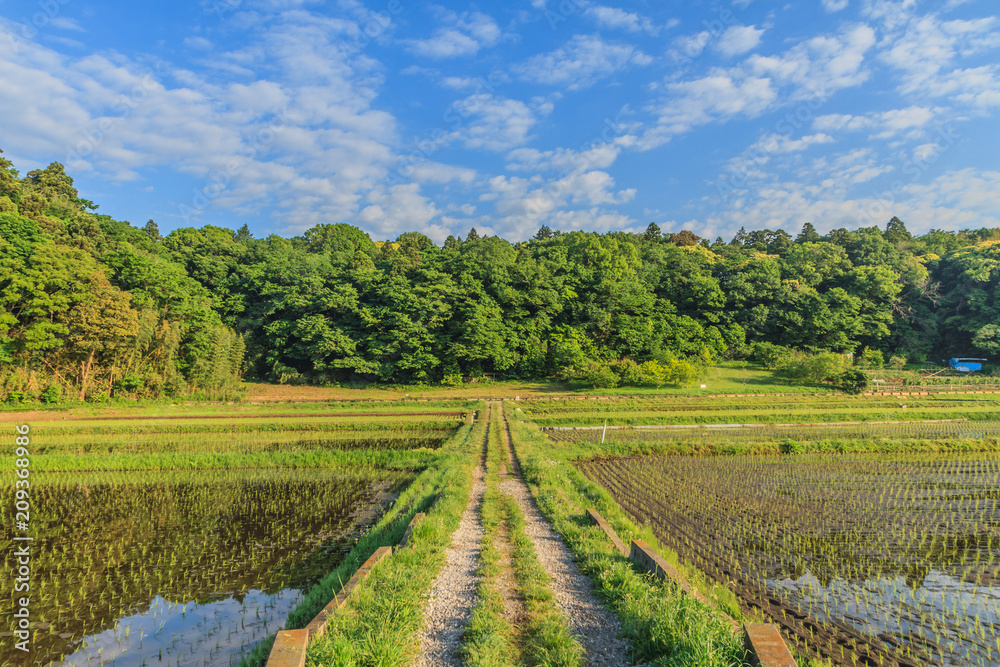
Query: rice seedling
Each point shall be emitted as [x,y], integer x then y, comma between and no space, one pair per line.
[898,552]
[190,541]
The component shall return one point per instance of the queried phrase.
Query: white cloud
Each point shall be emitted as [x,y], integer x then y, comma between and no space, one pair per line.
[305,142]
[751,162]
[619,19]
[718,96]
[600,156]
[492,123]
[821,65]
[439,173]
[926,50]
[966,198]
[464,35]
[883,125]
[581,62]
[573,201]
[835,5]
[66,23]
[738,39]
[399,208]
[198,43]
[810,70]
[691,46]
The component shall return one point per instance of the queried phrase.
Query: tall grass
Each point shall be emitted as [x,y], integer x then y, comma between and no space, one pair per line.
[664,626]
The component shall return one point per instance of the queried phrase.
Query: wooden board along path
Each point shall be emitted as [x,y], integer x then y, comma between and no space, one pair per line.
[763,642]
[290,646]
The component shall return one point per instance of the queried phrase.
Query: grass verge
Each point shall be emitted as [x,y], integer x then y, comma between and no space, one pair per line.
[490,640]
[380,629]
[664,627]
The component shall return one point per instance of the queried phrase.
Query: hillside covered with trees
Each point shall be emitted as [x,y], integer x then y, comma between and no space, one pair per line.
[91,306]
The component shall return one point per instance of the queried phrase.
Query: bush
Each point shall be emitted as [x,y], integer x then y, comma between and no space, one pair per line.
[130,384]
[52,395]
[853,381]
[771,356]
[627,372]
[681,373]
[816,368]
[598,375]
[871,358]
[790,447]
[18,397]
[654,373]
[897,363]
[452,380]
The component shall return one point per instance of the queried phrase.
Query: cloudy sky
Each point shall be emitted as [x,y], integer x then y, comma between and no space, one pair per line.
[398,116]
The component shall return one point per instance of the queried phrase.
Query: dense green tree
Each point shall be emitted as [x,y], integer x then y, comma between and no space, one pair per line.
[99,306]
[808,234]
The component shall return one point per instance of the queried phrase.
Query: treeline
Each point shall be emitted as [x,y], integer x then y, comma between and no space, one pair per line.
[97,306]
[91,307]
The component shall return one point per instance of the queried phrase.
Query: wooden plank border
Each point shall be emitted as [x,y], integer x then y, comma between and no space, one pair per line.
[317,627]
[598,520]
[409,529]
[763,641]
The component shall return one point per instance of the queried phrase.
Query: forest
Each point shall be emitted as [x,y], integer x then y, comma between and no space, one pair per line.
[92,307]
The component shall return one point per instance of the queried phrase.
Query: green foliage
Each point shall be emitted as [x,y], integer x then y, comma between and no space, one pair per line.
[820,367]
[196,310]
[771,356]
[853,381]
[452,380]
[870,358]
[52,394]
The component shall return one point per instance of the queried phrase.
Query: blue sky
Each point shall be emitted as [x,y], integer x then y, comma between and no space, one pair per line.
[401,116]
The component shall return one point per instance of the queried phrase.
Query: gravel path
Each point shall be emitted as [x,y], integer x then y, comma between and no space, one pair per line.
[595,627]
[453,594]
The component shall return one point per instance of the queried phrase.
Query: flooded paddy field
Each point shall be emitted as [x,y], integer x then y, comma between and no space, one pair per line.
[875,559]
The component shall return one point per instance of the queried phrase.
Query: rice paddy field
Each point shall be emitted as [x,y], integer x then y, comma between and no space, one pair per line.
[868,532]
[186,536]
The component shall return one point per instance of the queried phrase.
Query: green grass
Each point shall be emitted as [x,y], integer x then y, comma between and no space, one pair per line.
[547,638]
[386,611]
[665,627]
[490,640]
[411,459]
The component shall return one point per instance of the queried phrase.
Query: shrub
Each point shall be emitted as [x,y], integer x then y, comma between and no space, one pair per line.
[654,373]
[897,362]
[853,381]
[771,356]
[815,368]
[598,375]
[681,373]
[17,397]
[871,358]
[130,384]
[52,394]
[627,371]
[452,380]
[790,447]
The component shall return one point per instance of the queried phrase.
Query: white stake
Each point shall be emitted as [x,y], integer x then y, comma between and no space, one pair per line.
[605,431]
